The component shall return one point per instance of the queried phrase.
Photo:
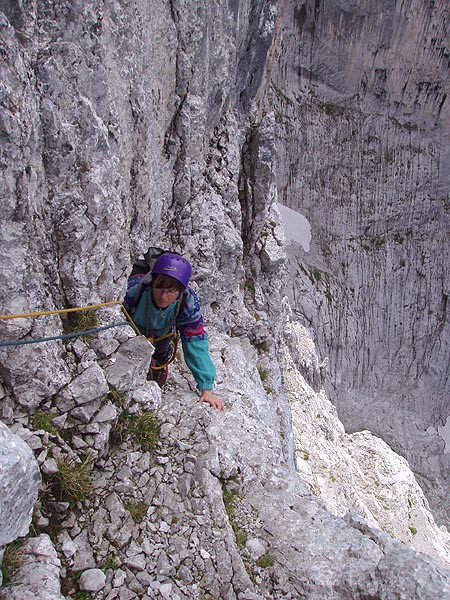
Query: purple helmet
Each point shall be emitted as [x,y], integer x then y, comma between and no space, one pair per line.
[174,266]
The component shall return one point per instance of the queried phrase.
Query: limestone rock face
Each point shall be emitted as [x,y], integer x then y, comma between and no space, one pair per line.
[361,102]
[20,480]
[40,571]
[125,125]
[19,484]
[383,489]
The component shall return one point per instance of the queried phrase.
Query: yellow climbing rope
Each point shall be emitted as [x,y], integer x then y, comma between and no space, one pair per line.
[57,312]
[68,310]
[125,312]
[89,307]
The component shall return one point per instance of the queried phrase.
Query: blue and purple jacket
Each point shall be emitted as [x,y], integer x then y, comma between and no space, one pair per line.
[156,322]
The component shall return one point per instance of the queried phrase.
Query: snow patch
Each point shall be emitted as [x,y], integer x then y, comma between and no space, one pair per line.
[296,227]
[444,432]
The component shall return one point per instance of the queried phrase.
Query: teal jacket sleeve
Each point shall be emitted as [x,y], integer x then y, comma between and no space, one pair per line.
[195,342]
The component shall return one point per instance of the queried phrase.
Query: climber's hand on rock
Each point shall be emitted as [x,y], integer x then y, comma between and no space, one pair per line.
[207,396]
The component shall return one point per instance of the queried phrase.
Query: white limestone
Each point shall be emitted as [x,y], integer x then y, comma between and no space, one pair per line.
[39,572]
[444,432]
[361,141]
[357,473]
[92,580]
[130,124]
[19,485]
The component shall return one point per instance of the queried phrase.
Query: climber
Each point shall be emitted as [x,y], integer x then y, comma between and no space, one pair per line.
[165,306]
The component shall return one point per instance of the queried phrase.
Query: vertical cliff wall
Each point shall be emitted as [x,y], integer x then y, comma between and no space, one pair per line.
[115,124]
[361,97]
[129,123]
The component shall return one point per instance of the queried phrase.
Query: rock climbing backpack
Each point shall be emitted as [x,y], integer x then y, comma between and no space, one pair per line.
[145,265]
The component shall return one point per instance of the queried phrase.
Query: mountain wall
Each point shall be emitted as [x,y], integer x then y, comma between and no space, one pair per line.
[360,93]
[126,124]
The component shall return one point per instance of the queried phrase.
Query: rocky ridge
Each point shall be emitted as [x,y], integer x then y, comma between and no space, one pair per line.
[216,508]
[195,516]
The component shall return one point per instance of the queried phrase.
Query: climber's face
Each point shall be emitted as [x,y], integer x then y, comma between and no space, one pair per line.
[166,290]
[163,297]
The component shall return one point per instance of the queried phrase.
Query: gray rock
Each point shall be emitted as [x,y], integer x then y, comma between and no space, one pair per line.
[106,346]
[68,546]
[38,563]
[92,580]
[83,557]
[86,412]
[49,466]
[119,578]
[131,364]
[164,566]
[20,481]
[255,547]
[165,590]
[90,385]
[136,562]
[125,124]
[367,228]
[108,412]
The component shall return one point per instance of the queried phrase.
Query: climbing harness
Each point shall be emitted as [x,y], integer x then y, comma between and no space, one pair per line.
[175,347]
[129,323]
[173,333]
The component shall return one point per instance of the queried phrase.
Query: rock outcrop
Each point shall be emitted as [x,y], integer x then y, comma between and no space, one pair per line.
[215,509]
[40,571]
[20,480]
[130,124]
[383,489]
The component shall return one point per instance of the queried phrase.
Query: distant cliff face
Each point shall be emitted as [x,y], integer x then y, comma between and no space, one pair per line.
[125,124]
[360,91]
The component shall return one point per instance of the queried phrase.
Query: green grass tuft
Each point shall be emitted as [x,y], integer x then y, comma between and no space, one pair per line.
[140,428]
[117,397]
[146,431]
[137,510]
[82,321]
[110,563]
[74,479]
[230,497]
[43,421]
[11,561]
[265,561]
[263,374]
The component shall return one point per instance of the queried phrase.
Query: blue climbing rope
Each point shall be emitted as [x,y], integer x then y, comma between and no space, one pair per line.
[65,336]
